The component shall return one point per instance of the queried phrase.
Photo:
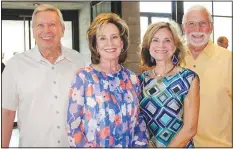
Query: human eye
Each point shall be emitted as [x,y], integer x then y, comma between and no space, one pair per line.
[191,24]
[40,25]
[203,23]
[115,37]
[102,38]
[155,40]
[167,40]
[52,24]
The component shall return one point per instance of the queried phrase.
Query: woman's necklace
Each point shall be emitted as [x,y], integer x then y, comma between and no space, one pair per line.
[161,76]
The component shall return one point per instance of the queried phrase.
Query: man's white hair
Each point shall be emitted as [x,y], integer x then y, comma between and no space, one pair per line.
[47,7]
[196,7]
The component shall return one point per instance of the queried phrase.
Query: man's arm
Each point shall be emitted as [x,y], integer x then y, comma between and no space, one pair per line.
[9,100]
[8,117]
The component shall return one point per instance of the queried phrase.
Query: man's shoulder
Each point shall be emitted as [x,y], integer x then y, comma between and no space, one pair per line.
[19,56]
[73,53]
[222,52]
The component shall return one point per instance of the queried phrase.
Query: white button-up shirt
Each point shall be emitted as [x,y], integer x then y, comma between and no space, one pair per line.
[38,91]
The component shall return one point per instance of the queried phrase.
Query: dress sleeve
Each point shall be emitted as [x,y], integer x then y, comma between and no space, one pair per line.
[75,127]
[140,131]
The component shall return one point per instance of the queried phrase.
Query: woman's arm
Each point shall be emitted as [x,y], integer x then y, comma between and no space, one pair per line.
[191,112]
[141,133]
[75,126]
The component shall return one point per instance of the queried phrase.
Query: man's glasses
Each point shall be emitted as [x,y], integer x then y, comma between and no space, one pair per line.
[193,24]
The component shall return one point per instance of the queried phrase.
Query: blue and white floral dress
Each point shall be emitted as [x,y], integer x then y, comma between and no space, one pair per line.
[103,110]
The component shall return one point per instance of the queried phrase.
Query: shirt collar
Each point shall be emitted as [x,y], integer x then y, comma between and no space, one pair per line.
[38,57]
[208,50]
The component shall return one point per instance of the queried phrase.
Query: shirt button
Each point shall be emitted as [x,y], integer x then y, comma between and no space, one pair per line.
[54,82]
[58,127]
[194,66]
[52,67]
[55,96]
[58,141]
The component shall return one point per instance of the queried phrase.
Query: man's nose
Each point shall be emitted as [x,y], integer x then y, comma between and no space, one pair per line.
[197,27]
[46,28]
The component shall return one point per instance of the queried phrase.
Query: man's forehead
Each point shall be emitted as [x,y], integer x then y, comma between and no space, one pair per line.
[197,14]
[46,17]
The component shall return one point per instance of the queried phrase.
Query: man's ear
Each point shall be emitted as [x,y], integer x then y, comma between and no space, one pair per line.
[33,33]
[211,27]
[183,28]
[63,30]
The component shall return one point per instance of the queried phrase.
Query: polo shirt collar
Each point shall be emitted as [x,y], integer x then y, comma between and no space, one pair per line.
[38,57]
[208,50]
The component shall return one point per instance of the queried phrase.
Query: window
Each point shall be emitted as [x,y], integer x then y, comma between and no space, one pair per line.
[156,7]
[218,8]
[222,21]
[143,25]
[12,44]
[207,5]
[66,39]
[223,27]
[151,12]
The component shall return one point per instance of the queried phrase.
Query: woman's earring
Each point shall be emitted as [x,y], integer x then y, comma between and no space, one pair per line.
[174,59]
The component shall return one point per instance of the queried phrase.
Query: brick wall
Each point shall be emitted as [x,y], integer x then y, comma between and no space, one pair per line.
[131,14]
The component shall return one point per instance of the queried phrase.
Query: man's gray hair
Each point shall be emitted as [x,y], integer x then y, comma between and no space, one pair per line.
[196,7]
[47,7]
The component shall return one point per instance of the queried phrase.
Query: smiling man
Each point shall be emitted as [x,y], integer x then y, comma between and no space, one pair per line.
[36,84]
[213,64]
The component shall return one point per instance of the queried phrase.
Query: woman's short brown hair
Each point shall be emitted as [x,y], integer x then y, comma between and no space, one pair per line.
[178,41]
[97,24]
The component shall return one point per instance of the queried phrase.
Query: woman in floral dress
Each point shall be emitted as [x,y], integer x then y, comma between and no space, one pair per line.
[103,108]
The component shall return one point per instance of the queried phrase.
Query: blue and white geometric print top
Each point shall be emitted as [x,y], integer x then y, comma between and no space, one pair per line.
[162,104]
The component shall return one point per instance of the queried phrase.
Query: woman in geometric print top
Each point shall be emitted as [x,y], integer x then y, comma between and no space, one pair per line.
[103,109]
[170,94]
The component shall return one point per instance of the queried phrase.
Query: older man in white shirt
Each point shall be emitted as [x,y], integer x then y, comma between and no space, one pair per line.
[36,84]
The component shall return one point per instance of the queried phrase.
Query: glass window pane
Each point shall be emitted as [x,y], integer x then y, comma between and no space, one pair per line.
[219,30]
[26,35]
[12,44]
[223,8]
[160,7]
[33,42]
[208,5]
[67,38]
[143,25]
[157,19]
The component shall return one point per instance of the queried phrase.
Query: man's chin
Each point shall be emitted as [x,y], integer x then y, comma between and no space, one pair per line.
[198,44]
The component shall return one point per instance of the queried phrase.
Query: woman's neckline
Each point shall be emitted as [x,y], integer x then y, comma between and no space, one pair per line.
[151,72]
[108,73]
